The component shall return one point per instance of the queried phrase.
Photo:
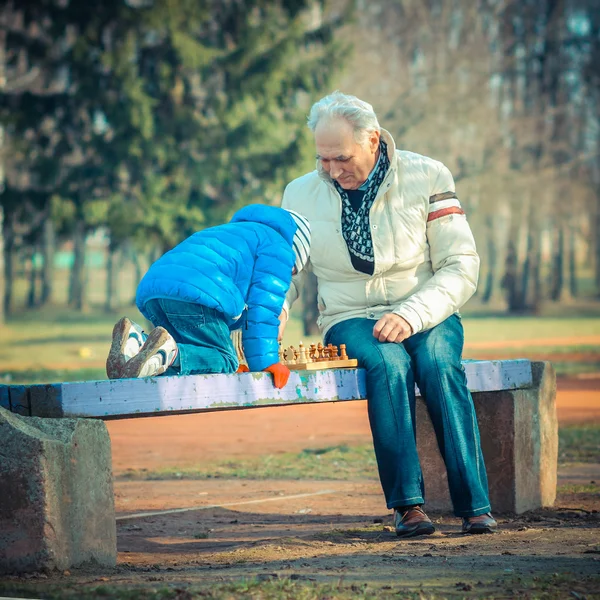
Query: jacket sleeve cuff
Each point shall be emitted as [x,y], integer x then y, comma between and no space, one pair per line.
[410,316]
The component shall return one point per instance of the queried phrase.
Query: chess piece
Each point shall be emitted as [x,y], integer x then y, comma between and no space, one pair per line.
[335,353]
[343,354]
[312,353]
[319,352]
[302,354]
[290,356]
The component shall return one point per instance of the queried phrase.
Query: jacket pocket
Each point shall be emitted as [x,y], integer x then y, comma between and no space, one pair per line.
[321,304]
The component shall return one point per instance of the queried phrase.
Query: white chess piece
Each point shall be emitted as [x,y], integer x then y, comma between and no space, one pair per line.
[290,355]
[302,356]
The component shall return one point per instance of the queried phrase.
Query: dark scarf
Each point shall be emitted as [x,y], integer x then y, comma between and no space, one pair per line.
[356,227]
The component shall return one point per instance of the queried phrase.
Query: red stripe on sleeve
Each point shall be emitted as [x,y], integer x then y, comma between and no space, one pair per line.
[445,211]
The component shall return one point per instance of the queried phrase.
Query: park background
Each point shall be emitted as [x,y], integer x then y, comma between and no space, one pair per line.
[128,125]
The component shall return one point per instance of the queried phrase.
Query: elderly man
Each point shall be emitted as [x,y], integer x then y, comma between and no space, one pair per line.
[395,259]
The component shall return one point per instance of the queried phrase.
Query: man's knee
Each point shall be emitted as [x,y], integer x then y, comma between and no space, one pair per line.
[388,358]
[439,357]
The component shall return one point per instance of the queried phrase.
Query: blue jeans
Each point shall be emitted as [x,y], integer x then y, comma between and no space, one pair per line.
[201,333]
[432,360]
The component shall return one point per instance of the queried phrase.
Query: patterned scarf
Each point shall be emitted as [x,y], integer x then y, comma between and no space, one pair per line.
[356,227]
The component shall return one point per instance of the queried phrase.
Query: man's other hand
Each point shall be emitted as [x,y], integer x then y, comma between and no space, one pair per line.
[283,319]
[280,373]
[392,328]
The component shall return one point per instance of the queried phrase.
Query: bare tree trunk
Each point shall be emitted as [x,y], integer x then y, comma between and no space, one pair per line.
[512,283]
[137,273]
[596,232]
[112,272]
[309,302]
[9,267]
[2,267]
[492,260]
[77,288]
[557,264]
[32,294]
[531,284]
[572,273]
[48,249]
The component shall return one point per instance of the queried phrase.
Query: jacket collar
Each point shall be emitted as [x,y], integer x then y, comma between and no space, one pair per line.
[386,136]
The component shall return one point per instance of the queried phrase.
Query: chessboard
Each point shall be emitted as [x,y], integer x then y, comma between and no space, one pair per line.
[316,357]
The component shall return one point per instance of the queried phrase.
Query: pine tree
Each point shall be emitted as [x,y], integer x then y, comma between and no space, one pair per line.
[156,119]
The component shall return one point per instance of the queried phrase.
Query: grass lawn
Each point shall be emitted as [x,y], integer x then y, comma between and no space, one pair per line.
[577,444]
[548,587]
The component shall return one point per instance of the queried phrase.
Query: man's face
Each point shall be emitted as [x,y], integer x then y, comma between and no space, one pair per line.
[346,161]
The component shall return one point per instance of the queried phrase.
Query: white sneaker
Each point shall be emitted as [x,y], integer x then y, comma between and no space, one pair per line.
[155,357]
[127,340]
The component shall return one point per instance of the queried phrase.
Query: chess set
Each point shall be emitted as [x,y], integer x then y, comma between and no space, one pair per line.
[316,357]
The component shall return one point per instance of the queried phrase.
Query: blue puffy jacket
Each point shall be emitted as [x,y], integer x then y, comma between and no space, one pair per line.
[244,266]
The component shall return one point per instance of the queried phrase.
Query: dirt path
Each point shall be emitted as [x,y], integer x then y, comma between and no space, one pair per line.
[339,533]
[336,532]
[583,340]
[188,439]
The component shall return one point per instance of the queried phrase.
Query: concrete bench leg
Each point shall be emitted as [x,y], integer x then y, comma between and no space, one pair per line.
[56,494]
[519,438]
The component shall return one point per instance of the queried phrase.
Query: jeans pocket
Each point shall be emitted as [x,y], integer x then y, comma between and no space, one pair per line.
[184,316]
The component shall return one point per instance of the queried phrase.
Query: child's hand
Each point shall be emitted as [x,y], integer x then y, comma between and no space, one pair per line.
[283,319]
[243,369]
[281,374]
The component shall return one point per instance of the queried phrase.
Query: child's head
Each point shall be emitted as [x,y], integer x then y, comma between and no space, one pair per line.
[301,242]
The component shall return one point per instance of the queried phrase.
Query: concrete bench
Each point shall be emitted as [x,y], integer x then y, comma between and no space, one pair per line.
[514,402]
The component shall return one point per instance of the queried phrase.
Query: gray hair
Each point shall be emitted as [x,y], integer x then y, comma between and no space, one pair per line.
[356,112]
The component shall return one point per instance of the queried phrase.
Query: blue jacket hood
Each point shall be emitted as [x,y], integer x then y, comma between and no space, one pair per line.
[244,266]
[272,216]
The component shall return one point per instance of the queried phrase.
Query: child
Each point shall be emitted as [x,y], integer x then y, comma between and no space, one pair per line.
[220,279]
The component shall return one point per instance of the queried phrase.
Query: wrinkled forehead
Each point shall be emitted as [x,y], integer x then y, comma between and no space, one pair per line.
[334,138]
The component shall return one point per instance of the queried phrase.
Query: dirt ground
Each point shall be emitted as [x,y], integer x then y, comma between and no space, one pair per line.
[330,531]
[186,440]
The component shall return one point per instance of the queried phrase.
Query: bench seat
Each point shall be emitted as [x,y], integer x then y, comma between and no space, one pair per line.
[514,403]
[125,398]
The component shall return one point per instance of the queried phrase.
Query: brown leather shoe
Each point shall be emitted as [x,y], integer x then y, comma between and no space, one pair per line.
[480,524]
[412,521]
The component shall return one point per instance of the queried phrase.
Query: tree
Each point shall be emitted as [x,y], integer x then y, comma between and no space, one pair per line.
[156,119]
[503,93]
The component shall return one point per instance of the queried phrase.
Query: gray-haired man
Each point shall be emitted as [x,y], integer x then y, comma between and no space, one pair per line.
[395,259]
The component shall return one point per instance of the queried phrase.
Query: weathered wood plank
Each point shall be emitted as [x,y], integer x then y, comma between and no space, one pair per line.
[4,397]
[193,393]
[495,375]
[45,400]
[123,398]
[19,400]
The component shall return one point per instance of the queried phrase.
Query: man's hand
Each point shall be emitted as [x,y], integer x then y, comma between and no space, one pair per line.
[283,319]
[281,374]
[392,328]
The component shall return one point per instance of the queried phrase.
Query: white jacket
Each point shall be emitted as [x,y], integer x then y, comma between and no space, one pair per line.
[426,263]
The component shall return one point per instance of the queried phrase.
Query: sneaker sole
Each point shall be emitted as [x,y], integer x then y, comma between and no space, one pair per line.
[157,337]
[115,361]
[421,529]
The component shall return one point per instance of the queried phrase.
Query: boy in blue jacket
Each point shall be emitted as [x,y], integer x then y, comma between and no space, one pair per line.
[228,277]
